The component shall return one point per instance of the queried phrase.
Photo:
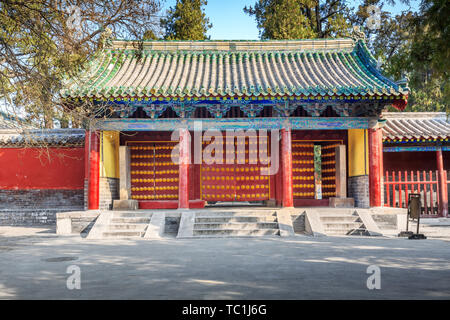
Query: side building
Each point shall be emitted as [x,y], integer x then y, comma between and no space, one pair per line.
[416,148]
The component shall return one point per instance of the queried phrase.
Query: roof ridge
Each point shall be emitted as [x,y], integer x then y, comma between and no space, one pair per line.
[415,115]
[237,40]
[235,45]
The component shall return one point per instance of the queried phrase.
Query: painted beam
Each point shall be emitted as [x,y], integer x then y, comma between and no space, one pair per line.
[416,149]
[295,123]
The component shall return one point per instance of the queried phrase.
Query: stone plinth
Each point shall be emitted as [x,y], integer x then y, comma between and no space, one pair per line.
[125,205]
[342,202]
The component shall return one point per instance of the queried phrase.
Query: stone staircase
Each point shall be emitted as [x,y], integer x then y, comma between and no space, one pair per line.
[126,225]
[342,222]
[236,223]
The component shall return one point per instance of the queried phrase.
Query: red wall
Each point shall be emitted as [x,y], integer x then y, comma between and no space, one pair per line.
[41,168]
[413,161]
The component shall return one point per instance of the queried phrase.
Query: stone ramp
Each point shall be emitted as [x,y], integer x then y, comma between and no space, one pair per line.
[340,222]
[127,225]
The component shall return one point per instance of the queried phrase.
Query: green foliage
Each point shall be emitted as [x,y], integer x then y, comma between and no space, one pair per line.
[39,48]
[412,44]
[149,35]
[186,21]
[409,44]
[300,19]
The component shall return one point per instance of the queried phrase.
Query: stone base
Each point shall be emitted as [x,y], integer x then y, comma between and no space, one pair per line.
[342,202]
[270,203]
[75,222]
[125,205]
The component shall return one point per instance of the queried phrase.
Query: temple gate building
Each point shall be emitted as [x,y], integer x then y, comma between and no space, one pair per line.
[164,105]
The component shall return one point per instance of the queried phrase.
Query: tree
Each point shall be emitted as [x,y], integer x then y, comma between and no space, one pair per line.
[300,19]
[43,41]
[186,21]
[413,44]
[430,54]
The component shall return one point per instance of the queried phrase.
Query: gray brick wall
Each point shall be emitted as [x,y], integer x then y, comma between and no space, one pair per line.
[28,217]
[109,191]
[36,206]
[41,199]
[358,188]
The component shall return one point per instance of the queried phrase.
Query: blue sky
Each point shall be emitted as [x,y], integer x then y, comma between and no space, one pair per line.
[231,23]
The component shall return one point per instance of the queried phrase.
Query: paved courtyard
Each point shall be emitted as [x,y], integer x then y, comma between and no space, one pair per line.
[34,261]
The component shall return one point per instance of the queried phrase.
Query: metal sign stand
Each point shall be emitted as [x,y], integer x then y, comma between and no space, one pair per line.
[414,211]
[408,215]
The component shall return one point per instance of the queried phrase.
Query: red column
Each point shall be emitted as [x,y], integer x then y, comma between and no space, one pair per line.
[375,167]
[286,168]
[183,182]
[86,156]
[94,170]
[442,180]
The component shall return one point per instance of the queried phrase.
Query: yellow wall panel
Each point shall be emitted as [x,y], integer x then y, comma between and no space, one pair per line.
[109,165]
[358,151]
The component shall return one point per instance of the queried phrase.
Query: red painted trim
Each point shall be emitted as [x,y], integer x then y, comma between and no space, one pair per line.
[286,167]
[94,171]
[183,187]
[375,167]
[442,180]
[169,204]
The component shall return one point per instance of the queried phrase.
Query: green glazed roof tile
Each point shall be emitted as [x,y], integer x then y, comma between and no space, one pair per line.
[229,68]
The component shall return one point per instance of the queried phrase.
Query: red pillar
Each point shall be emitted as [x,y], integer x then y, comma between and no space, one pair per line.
[375,167]
[183,182]
[94,170]
[442,180]
[286,168]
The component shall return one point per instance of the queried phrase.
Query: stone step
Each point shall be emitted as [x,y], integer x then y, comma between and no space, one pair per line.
[234,232]
[236,226]
[222,219]
[383,225]
[128,226]
[342,232]
[236,213]
[132,220]
[131,214]
[123,234]
[342,225]
[336,218]
[337,212]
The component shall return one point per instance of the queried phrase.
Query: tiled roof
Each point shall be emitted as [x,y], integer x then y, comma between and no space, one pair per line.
[416,125]
[177,69]
[43,137]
